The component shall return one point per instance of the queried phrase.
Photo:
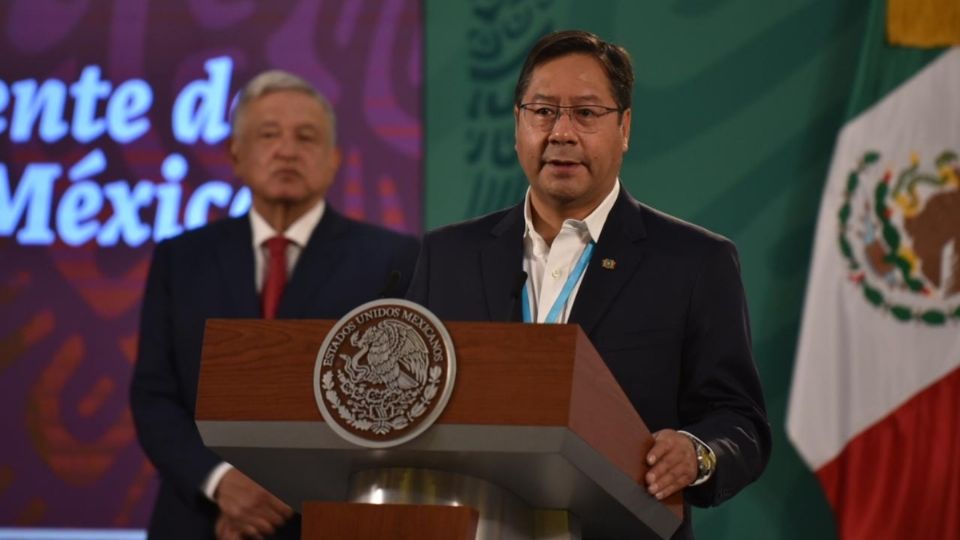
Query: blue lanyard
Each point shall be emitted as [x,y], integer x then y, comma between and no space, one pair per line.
[554,315]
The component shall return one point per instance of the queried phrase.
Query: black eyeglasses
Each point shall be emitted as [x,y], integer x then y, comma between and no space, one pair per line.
[585,118]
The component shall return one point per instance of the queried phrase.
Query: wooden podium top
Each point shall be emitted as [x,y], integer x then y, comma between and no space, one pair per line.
[509,375]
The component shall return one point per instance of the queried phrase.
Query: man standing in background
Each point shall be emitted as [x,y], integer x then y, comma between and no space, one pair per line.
[293,256]
[661,299]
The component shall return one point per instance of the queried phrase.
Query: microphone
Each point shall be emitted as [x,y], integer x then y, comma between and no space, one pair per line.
[390,284]
[515,294]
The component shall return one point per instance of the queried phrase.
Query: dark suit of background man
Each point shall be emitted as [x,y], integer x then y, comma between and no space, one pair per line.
[660,299]
[283,147]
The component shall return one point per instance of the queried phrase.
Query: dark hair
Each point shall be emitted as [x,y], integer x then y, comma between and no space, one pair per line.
[614,59]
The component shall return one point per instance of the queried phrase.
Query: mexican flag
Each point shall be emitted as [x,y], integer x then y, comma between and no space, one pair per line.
[875,400]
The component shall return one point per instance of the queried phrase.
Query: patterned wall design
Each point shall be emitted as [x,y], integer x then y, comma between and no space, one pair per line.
[736,109]
[70,287]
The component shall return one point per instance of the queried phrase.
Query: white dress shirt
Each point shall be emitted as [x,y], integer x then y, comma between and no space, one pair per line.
[298,233]
[549,266]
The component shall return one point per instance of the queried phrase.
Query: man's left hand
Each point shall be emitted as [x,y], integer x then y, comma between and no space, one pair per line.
[673,463]
[227,529]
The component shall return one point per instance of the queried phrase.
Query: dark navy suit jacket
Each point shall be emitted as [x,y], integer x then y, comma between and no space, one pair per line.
[669,319]
[209,273]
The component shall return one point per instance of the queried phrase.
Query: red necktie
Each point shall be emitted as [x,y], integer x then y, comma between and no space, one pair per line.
[276,275]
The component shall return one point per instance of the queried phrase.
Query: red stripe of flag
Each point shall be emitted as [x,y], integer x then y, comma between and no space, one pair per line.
[900,479]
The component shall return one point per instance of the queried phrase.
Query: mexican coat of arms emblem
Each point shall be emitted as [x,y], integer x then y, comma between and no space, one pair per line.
[384,373]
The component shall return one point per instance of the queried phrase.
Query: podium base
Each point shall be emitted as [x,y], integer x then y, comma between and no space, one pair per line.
[502,515]
[350,521]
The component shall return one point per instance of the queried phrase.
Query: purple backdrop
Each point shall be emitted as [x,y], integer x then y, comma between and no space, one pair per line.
[112,119]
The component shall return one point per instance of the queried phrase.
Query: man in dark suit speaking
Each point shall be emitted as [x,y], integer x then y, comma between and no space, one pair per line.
[293,256]
[660,299]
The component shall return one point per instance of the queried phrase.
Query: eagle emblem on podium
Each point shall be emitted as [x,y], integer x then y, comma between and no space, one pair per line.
[384,373]
[390,353]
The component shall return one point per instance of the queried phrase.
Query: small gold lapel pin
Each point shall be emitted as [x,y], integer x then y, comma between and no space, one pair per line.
[608,264]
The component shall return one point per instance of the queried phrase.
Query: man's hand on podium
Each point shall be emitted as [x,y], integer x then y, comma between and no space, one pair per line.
[247,510]
[226,529]
[673,463]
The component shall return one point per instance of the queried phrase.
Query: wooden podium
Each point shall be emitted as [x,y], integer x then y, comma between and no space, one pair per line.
[534,410]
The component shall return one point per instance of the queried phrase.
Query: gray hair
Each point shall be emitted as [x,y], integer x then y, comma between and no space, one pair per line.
[277,80]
